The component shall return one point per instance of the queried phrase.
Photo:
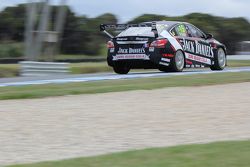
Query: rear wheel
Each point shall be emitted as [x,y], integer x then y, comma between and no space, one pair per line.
[219,60]
[179,61]
[177,64]
[121,68]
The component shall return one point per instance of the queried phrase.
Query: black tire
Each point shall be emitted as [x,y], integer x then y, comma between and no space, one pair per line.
[219,60]
[121,69]
[178,62]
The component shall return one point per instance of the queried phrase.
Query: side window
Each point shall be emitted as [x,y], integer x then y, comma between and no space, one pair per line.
[173,32]
[194,32]
[179,30]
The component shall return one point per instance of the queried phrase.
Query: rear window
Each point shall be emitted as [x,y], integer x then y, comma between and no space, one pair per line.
[141,31]
[137,31]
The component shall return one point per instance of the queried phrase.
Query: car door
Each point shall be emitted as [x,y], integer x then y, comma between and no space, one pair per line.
[199,51]
[184,37]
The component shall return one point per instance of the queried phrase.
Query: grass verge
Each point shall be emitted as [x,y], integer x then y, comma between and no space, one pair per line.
[9,70]
[39,91]
[220,154]
[238,63]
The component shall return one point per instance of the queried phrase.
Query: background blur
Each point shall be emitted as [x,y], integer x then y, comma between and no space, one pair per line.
[158,110]
[82,38]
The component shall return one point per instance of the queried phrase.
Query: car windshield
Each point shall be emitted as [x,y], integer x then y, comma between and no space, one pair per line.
[141,31]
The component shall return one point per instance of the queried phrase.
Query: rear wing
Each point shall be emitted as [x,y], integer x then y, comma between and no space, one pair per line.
[121,27]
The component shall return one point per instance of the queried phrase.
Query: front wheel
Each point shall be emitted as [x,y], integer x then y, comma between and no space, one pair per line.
[121,69]
[219,60]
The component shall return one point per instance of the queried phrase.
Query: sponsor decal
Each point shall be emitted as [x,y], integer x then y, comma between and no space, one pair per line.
[164,59]
[197,48]
[130,56]
[163,63]
[141,39]
[131,51]
[121,39]
[188,66]
[204,49]
[188,46]
[151,49]
[198,58]
[146,45]
[189,62]
[167,55]
[112,50]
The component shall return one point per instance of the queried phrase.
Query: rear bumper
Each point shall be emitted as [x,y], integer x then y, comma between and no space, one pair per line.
[161,59]
[156,57]
[133,63]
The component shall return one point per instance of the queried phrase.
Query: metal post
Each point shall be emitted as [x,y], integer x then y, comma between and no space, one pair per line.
[60,19]
[30,24]
[43,26]
[59,24]
[35,39]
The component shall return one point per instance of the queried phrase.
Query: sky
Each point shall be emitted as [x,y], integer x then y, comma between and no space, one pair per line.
[126,10]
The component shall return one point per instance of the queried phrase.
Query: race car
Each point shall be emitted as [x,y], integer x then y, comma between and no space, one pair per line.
[169,46]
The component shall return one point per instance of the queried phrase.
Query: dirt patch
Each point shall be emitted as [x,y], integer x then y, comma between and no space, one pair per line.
[73,126]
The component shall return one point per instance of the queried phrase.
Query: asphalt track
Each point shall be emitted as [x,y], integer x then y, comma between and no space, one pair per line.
[24,81]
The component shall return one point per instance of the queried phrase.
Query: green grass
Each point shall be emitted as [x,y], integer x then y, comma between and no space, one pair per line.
[39,91]
[220,154]
[238,63]
[9,70]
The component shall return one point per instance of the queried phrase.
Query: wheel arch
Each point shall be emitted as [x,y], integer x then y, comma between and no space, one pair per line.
[183,55]
[224,49]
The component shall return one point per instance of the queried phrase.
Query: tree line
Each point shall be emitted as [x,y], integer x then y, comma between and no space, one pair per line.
[82,36]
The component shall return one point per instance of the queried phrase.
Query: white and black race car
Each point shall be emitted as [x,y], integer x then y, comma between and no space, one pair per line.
[164,45]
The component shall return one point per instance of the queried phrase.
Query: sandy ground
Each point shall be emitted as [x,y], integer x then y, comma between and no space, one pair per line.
[73,126]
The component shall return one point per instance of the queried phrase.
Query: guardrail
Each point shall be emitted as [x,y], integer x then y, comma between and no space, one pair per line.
[32,68]
[238,57]
[83,60]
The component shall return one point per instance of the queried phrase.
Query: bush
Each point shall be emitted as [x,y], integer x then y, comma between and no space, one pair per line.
[11,50]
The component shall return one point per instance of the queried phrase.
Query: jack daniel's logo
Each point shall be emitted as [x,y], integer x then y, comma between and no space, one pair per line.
[131,51]
[198,48]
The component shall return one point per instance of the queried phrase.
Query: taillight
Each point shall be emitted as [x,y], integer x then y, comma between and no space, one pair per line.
[160,43]
[110,44]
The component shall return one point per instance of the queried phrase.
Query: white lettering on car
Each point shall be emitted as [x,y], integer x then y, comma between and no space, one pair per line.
[197,48]
[131,51]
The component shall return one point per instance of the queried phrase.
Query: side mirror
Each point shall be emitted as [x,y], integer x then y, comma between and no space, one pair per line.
[209,36]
